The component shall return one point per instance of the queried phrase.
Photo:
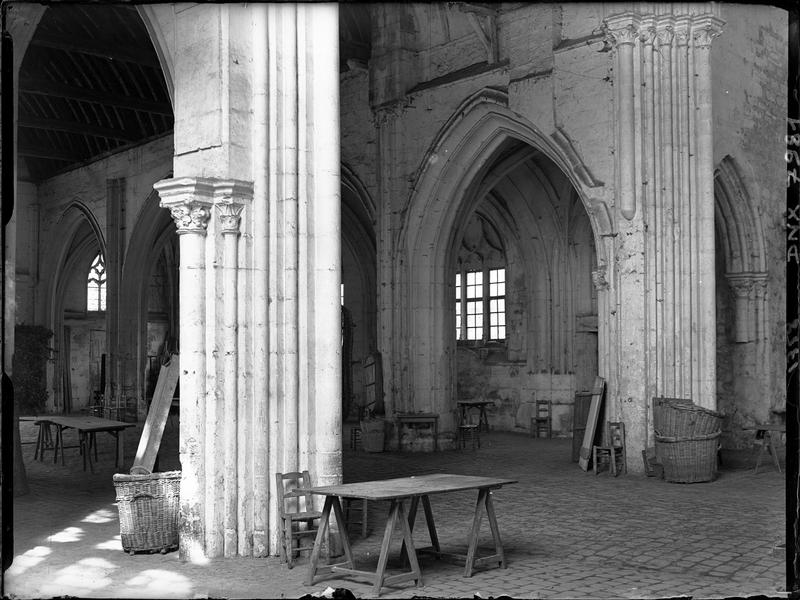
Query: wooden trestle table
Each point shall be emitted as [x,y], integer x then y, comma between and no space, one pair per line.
[398,492]
[87,427]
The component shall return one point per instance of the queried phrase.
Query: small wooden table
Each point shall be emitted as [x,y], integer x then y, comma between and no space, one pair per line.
[467,405]
[398,492]
[87,427]
[764,432]
[432,418]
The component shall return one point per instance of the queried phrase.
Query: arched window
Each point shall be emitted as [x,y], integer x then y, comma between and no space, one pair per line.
[481,284]
[96,285]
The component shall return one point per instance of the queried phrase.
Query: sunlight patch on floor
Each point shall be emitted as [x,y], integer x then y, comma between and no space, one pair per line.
[160,583]
[26,560]
[80,578]
[103,515]
[70,534]
[114,543]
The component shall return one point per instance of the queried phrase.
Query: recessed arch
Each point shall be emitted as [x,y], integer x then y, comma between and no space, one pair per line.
[741,233]
[359,277]
[457,171]
[154,230]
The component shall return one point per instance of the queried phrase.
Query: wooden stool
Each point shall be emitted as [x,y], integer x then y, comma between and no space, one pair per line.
[471,432]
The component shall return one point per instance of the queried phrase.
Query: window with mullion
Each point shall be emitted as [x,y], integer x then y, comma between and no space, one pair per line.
[96,285]
[497,304]
[480,305]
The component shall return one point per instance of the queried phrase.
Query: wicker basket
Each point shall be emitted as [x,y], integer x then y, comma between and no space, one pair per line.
[148,511]
[680,418]
[688,460]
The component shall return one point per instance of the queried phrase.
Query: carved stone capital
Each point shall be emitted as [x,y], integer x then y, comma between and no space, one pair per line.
[705,29]
[230,198]
[647,30]
[189,201]
[747,284]
[622,29]
[665,34]
[191,216]
[682,30]
[741,285]
[230,215]
[599,279]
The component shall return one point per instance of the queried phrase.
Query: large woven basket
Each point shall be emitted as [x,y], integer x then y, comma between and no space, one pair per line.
[681,418]
[689,460]
[148,511]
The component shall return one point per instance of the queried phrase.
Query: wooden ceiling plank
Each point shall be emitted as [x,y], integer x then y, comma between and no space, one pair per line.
[77,127]
[36,151]
[106,50]
[46,87]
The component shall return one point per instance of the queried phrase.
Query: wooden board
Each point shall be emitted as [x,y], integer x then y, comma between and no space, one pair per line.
[157,416]
[591,423]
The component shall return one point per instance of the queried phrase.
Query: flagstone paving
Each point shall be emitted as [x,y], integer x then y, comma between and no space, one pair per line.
[566,533]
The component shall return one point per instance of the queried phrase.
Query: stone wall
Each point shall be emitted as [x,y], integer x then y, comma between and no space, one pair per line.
[66,221]
[749,71]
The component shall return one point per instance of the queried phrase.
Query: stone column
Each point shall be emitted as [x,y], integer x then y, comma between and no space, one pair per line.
[665,253]
[748,294]
[741,286]
[115,249]
[230,210]
[256,113]
[189,201]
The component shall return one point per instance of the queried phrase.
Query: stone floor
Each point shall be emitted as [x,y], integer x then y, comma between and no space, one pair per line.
[567,534]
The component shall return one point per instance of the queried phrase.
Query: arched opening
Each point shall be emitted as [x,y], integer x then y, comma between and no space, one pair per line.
[149,302]
[528,230]
[92,87]
[79,333]
[358,291]
[743,380]
[505,173]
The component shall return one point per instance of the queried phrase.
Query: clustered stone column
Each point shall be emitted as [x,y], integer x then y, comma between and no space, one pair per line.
[748,295]
[259,283]
[189,201]
[665,195]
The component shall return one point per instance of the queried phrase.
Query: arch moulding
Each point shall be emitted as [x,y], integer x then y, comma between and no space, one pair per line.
[444,190]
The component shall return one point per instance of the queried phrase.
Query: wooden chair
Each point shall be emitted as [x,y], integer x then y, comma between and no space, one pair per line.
[355,513]
[296,509]
[467,430]
[542,421]
[614,448]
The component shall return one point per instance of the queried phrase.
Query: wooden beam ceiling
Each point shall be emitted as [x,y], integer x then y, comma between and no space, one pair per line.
[79,128]
[37,85]
[93,47]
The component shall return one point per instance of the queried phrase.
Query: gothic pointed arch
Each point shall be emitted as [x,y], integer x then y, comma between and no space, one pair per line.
[152,246]
[742,303]
[743,249]
[739,222]
[359,277]
[475,149]
[65,267]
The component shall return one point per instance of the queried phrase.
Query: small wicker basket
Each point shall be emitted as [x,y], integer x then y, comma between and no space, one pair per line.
[688,460]
[148,511]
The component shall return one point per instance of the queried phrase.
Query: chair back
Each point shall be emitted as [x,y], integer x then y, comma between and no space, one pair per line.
[542,409]
[292,497]
[615,434]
